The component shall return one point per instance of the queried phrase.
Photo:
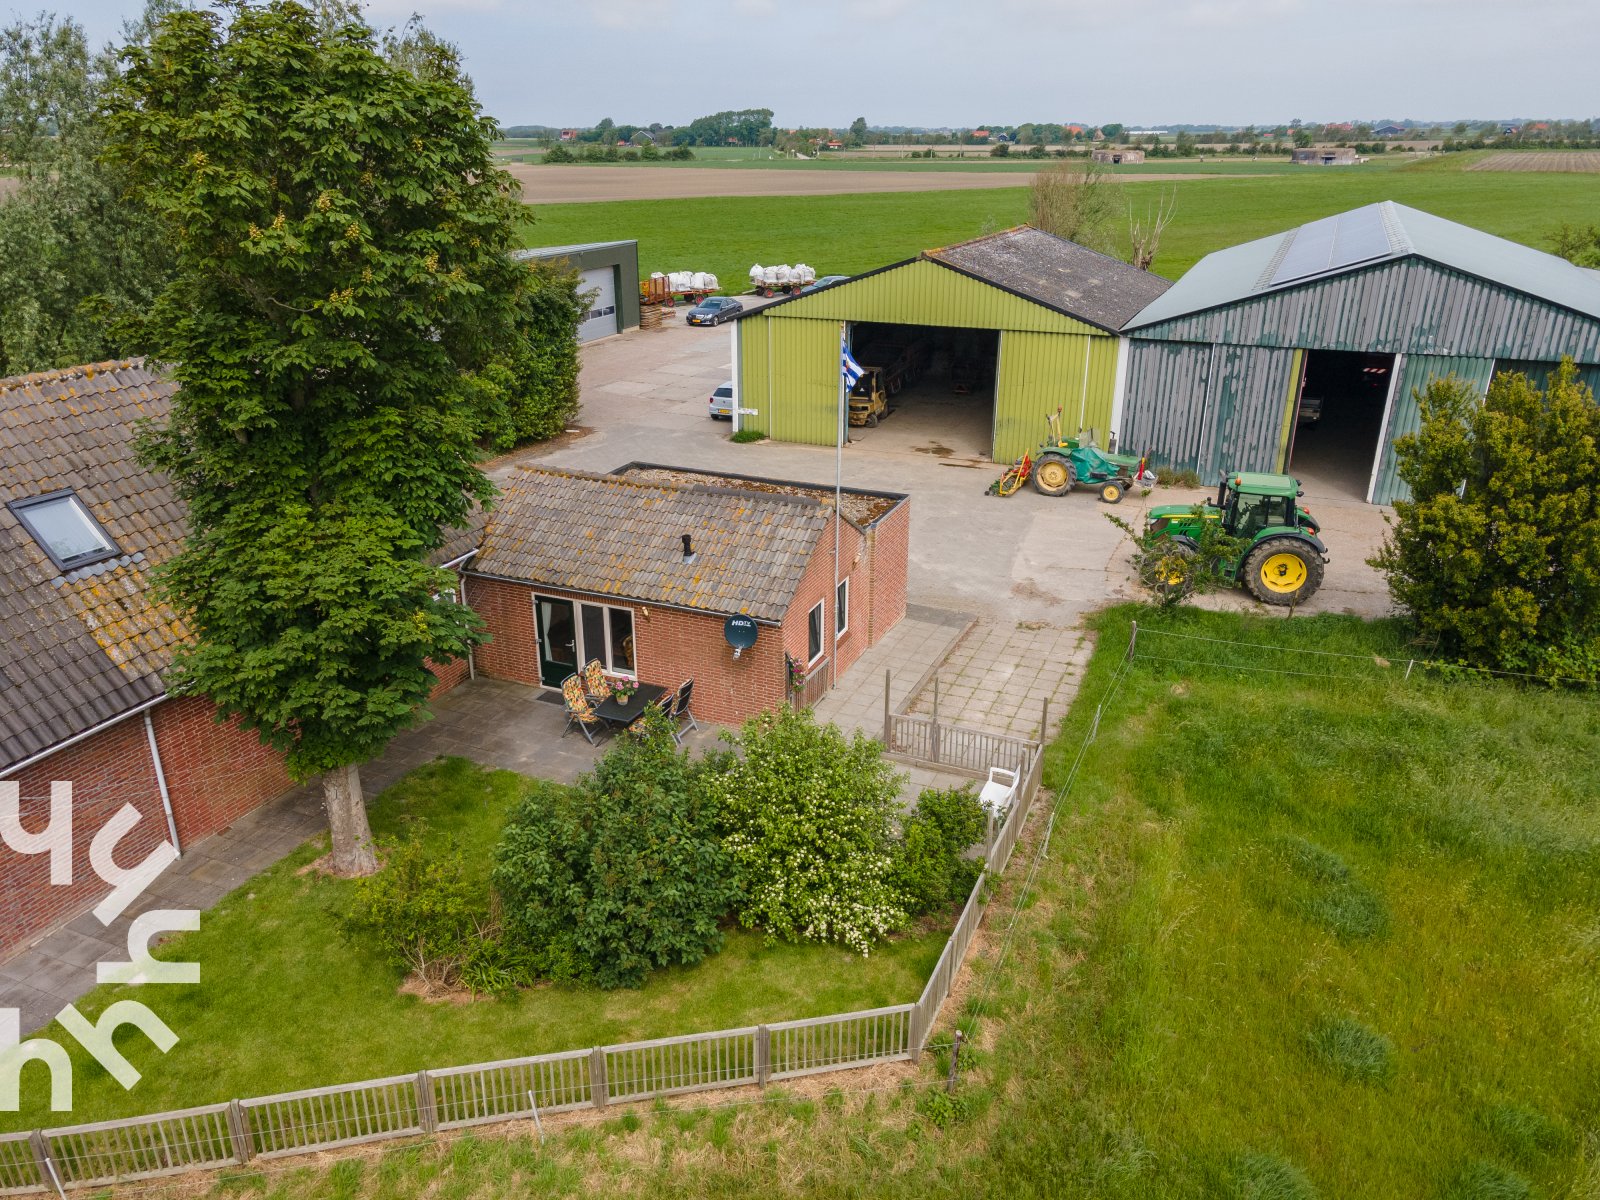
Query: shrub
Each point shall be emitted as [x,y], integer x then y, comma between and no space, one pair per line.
[424,915]
[530,391]
[745,436]
[808,818]
[622,873]
[559,154]
[1174,570]
[929,870]
[680,154]
[1497,553]
[649,152]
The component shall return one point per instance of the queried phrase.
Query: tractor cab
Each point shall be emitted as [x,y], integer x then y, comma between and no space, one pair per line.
[1252,502]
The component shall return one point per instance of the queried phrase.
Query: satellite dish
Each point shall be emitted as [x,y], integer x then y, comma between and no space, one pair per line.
[741,633]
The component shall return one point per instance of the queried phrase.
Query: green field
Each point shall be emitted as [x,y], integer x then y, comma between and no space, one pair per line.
[286,1002]
[846,235]
[1295,937]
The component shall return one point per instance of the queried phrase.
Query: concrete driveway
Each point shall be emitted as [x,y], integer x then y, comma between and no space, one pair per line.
[1027,558]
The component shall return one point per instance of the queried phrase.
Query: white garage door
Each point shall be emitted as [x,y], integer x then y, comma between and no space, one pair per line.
[602,318]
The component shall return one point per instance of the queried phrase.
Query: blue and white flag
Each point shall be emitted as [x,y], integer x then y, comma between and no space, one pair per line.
[849,368]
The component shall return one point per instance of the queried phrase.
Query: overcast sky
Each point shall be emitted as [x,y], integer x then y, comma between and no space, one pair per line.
[957,63]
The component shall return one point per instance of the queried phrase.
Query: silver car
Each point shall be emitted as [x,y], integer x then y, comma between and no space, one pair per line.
[722,401]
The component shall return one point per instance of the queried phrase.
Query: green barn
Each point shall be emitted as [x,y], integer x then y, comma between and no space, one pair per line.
[1007,328]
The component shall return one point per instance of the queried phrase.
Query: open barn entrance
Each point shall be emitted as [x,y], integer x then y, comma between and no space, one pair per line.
[927,388]
[1339,421]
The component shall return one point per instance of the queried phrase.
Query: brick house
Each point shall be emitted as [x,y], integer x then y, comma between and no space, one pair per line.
[575,566]
[85,643]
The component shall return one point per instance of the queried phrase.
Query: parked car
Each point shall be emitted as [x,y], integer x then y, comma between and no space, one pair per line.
[825,281]
[1310,414]
[713,310]
[722,402]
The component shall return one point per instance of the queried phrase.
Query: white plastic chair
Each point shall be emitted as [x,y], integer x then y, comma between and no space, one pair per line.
[999,791]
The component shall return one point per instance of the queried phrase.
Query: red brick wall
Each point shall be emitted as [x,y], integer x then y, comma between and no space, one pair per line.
[888,554]
[109,770]
[215,772]
[512,651]
[448,674]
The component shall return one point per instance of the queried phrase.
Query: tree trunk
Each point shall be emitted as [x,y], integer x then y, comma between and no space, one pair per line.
[347,821]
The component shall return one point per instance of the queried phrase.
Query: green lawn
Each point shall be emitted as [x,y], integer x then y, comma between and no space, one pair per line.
[285,1003]
[1294,938]
[846,235]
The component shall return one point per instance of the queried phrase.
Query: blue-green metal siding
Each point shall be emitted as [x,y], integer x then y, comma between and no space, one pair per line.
[1207,408]
[1416,372]
[1540,372]
[1405,306]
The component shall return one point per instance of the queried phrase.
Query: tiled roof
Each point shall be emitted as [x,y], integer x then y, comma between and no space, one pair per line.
[1062,275]
[615,536]
[83,646]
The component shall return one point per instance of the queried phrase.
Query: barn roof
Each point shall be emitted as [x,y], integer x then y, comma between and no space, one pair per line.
[1057,273]
[1358,239]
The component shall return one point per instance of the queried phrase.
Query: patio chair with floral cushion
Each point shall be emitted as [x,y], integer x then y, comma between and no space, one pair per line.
[580,711]
[595,682]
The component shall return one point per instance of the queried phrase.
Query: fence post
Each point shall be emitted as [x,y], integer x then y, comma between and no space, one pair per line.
[239,1132]
[916,1031]
[427,1113]
[1133,638]
[1044,724]
[763,1055]
[955,1062]
[888,728]
[597,1077]
[41,1159]
[933,730]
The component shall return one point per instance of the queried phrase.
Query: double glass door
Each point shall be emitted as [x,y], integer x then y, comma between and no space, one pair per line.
[572,633]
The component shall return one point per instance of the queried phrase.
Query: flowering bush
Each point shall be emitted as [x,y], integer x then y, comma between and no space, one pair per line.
[930,867]
[808,818]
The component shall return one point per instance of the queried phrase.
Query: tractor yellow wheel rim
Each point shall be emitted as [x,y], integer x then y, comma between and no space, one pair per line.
[1110,492]
[1283,572]
[1053,475]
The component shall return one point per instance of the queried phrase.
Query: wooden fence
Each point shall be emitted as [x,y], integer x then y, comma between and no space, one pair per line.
[928,741]
[237,1132]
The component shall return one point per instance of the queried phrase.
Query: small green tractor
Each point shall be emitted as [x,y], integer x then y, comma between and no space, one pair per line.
[1283,557]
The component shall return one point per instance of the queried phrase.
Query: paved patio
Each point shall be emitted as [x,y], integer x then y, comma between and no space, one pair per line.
[489,721]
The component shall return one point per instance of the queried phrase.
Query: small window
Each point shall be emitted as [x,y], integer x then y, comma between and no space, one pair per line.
[841,608]
[814,634]
[64,529]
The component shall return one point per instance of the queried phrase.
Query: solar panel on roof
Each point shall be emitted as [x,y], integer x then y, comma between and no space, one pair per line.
[1332,244]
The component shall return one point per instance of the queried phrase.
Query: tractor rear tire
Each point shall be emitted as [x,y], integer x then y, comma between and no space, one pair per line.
[1111,491]
[1283,572]
[1053,476]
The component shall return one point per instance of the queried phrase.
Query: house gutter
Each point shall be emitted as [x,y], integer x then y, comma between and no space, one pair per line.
[23,764]
[161,781]
[461,592]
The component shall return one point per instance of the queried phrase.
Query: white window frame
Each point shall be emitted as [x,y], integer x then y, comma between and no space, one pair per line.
[22,509]
[841,608]
[817,611]
[584,654]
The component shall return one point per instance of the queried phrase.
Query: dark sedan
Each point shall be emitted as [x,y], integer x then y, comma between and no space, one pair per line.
[713,311]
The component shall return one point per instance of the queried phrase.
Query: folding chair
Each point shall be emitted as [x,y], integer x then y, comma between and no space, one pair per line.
[680,712]
[579,711]
[596,683]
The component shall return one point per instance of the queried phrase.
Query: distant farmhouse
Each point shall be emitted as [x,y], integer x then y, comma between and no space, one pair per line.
[1119,157]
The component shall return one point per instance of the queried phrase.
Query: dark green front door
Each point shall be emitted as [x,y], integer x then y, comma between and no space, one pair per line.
[558,640]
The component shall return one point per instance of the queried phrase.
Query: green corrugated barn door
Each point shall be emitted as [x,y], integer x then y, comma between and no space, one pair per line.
[789,372]
[1040,372]
[1405,413]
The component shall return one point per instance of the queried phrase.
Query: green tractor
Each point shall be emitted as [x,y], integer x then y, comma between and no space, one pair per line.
[1283,556]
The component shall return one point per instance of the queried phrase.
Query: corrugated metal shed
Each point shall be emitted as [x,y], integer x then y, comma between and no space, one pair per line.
[1212,360]
[1055,304]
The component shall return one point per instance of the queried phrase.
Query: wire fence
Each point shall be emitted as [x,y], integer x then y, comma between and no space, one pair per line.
[265,1128]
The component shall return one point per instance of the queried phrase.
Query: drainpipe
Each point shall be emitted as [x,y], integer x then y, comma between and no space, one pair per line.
[458,565]
[161,781]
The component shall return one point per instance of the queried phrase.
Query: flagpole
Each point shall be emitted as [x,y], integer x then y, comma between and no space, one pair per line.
[838,511]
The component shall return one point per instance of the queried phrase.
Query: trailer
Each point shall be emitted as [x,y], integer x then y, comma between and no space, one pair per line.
[670,287]
[782,280]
